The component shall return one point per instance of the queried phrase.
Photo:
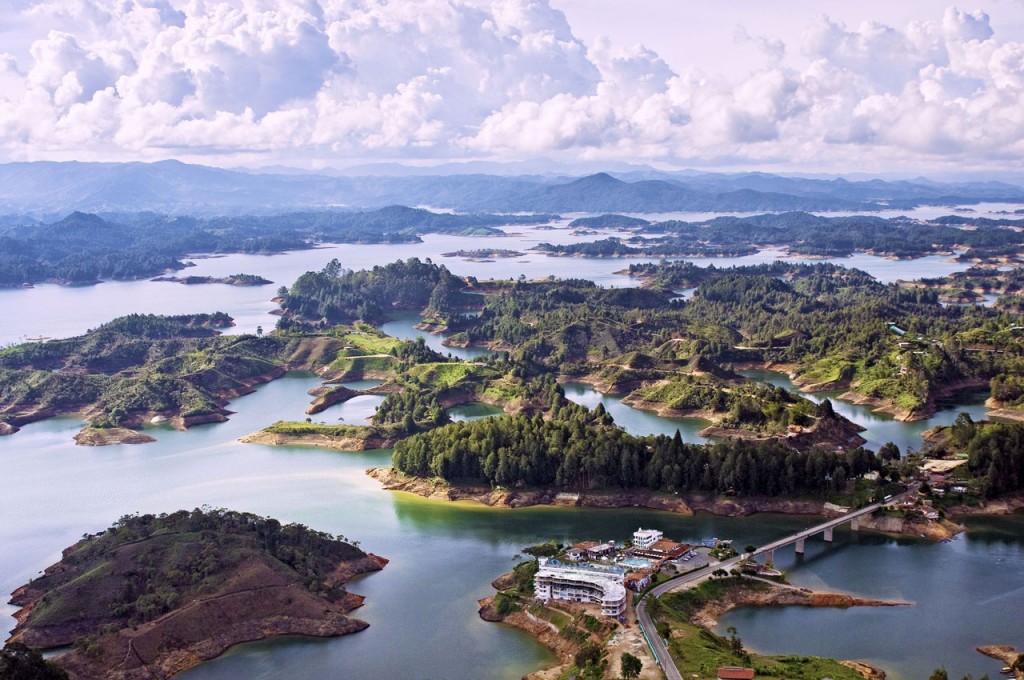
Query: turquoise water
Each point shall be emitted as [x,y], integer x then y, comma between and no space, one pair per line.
[636,563]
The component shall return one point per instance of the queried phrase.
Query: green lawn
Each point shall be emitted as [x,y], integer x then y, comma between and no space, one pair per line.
[370,343]
[442,375]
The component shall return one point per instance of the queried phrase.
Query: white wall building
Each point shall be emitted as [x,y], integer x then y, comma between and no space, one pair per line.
[581,583]
[645,538]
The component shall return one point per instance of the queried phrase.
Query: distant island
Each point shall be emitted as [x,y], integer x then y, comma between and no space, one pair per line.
[804,235]
[484,253]
[232,280]
[154,595]
[84,248]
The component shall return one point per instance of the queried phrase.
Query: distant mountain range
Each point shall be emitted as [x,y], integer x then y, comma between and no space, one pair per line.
[48,189]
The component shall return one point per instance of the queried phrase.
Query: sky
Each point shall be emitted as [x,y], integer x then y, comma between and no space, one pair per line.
[805,86]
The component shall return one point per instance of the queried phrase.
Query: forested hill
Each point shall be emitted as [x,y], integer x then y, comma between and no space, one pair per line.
[154,592]
[579,453]
[140,366]
[837,328]
[333,295]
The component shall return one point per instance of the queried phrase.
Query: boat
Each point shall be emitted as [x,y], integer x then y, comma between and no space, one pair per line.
[1006,670]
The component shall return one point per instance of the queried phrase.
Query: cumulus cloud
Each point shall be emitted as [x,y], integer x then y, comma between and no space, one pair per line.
[329,79]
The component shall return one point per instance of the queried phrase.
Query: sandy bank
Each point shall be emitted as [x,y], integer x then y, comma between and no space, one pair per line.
[94,436]
[1008,655]
[322,440]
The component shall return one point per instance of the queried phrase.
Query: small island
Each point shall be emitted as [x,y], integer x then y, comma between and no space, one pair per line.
[484,254]
[154,595]
[231,280]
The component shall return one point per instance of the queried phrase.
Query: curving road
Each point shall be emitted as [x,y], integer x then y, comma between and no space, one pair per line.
[694,578]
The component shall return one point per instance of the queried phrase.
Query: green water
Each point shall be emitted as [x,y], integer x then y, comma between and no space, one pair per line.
[473,411]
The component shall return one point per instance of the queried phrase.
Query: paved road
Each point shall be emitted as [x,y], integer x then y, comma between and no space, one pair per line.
[694,578]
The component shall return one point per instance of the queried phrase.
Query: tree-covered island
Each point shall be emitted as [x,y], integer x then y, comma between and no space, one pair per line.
[829,326]
[84,249]
[802,234]
[154,595]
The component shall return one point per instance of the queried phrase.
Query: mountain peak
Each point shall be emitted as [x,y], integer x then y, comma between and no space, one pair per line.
[601,179]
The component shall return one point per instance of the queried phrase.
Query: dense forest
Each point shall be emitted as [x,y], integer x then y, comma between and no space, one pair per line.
[336,295]
[583,450]
[995,452]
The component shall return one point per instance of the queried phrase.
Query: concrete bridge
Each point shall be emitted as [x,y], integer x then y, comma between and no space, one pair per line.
[694,578]
[826,528]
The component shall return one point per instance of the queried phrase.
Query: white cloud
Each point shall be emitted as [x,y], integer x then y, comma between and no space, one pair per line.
[328,79]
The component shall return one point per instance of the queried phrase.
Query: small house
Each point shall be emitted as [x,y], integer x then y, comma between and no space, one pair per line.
[735,673]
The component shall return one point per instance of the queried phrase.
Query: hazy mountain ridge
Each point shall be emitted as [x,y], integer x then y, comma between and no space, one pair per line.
[49,189]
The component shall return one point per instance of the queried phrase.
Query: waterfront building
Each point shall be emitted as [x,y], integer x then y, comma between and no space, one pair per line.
[581,583]
[590,550]
[663,549]
[645,538]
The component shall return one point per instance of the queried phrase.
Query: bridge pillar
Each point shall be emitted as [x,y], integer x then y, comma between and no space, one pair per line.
[855,523]
[769,557]
[800,546]
[828,535]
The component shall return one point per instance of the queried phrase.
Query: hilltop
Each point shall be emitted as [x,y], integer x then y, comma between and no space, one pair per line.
[154,595]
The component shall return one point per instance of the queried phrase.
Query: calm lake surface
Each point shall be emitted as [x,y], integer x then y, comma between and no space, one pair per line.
[422,607]
[50,310]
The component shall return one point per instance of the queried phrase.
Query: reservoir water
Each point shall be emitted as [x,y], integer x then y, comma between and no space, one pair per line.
[422,607]
[49,310]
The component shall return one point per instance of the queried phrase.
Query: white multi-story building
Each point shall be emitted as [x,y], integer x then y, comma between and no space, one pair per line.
[581,583]
[645,538]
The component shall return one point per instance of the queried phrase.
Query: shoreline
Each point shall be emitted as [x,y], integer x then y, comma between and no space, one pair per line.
[251,597]
[351,444]
[706,618]
[686,505]
[1008,655]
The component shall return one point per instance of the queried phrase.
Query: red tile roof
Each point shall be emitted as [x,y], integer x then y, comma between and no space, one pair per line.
[735,673]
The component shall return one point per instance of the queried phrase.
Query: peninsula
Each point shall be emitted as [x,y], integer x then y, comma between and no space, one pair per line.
[580,602]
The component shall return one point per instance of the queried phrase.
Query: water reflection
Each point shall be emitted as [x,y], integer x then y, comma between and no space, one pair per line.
[403,326]
[473,411]
[881,427]
[633,420]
